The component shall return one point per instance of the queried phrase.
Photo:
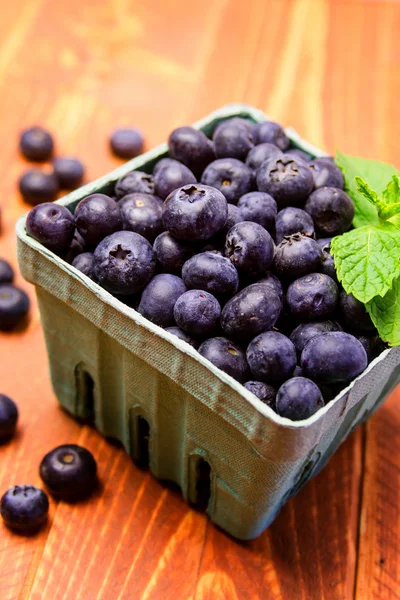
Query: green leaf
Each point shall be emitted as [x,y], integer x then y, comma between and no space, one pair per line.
[367,260]
[395,220]
[391,193]
[366,191]
[385,314]
[375,174]
[389,210]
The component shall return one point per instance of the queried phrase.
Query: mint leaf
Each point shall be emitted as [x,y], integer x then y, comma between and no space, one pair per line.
[375,174]
[367,260]
[385,314]
[389,210]
[366,191]
[391,193]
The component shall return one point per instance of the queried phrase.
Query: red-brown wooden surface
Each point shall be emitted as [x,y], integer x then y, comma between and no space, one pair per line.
[330,68]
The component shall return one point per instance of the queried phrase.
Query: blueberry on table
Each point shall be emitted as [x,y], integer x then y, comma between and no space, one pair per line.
[191,147]
[261,153]
[305,332]
[8,417]
[6,272]
[69,472]
[226,356]
[326,174]
[195,212]
[84,263]
[14,306]
[24,508]
[331,209]
[52,225]
[298,398]
[142,213]
[333,357]
[258,207]
[250,248]
[287,180]
[230,176]
[134,181]
[354,314]
[38,186]
[233,139]
[271,357]
[36,144]
[313,296]
[211,272]
[197,312]
[253,310]
[298,154]
[69,172]
[126,143]
[159,298]
[264,392]
[297,255]
[182,335]
[292,220]
[171,176]
[97,216]
[271,133]
[172,253]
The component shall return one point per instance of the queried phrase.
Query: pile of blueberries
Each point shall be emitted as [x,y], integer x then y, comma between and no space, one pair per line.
[226,245]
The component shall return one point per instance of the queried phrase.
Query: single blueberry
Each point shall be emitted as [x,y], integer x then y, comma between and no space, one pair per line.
[159,298]
[226,356]
[14,306]
[164,162]
[354,314]
[298,154]
[97,216]
[182,335]
[126,143]
[305,332]
[258,207]
[326,174]
[36,144]
[191,147]
[297,255]
[313,296]
[230,176]
[372,344]
[237,122]
[6,272]
[135,181]
[84,263]
[287,180]
[52,225]
[8,417]
[195,212]
[232,139]
[331,209]
[211,272]
[271,357]
[250,248]
[271,133]
[197,312]
[123,263]
[171,176]
[298,398]
[142,213]
[273,283]
[264,392]
[69,172]
[172,253]
[259,154]
[24,508]
[38,186]
[69,471]
[334,356]
[292,220]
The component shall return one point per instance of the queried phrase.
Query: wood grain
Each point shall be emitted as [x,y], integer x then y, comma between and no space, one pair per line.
[328,68]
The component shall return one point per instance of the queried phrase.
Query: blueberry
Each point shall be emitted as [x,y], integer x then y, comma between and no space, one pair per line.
[272,133]
[77,246]
[250,248]
[226,356]
[313,296]
[8,417]
[69,172]
[6,272]
[191,147]
[14,306]
[297,255]
[234,216]
[24,508]
[172,253]
[287,180]
[97,216]
[69,471]
[328,265]
[195,212]
[253,310]
[264,392]
[326,174]
[260,154]
[258,207]
[271,357]
[126,143]
[142,213]
[298,398]
[292,220]
[123,263]
[237,122]
[164,162]
[232,139]
[211,272]
[230,176]
[331,209]
[305,332]
[52,225]
[197,312]
[182,335]
[36,144]
[170,177]
[84,263]
[159,298]
[38,186]
[354,314]
[298,154]
[135,181]
[332,357]
[273,283]
[372,344]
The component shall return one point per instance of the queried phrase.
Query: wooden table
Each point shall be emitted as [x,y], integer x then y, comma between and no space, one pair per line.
[331,70]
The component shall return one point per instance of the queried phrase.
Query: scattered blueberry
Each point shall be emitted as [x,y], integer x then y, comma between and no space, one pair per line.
[292,220]
[182,335]
[271,357]
[230,176]
[272,133]
[305,332]
[326,174]
[354,314]
[172,253]
[171,176]
[97,216]
[232,139]
[261,153]
[135,181]
[313,296]
[211,272]
[38,186]
[36,144]
[142,213]
[258,207]
[264,392]
[331,209]
[298,398]
[159,298]
[6,272]
[191,147]
[84,263]
[287,180]
[69,172]
[250,248]
[297,255]
[226,356]
[52,225]
[126,143]
[69,471]
[14,306]
[197,312]
[8,418]
[24,508]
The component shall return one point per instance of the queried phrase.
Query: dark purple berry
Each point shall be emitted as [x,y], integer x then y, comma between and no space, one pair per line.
[226,356]
[8,418]
[258,207]
[77,246]
[6,272]
[250,248]
[24,508]
[52,225]
[298,154]
[133,182]
[69,472]
[271,357]
[69,172]
[14,306]
[232,139]
[36,144]
[292,220]
[197,312]
[211,272]
[326,174]
[354,314]
[264,392]
[126,143]
[297,255]
[305,332]
[273,283]
[237,122]
[38,186]
[331,209]
[298,398]
[159,298]
[328,266]
[172,253]
[170,177]
[164,162]
[313,296]
[325,243]
[182,335]
[261,153]
[142,213]
[272,133]
[288,181]
[97,216]
[372,344]
[230,176]
[191,147]
[84,263]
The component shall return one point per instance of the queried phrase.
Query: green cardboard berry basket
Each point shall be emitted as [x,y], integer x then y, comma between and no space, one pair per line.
[196,425]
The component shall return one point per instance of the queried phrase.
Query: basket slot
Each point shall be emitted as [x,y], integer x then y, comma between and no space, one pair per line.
[140,439]
[84,405]
[199,482]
